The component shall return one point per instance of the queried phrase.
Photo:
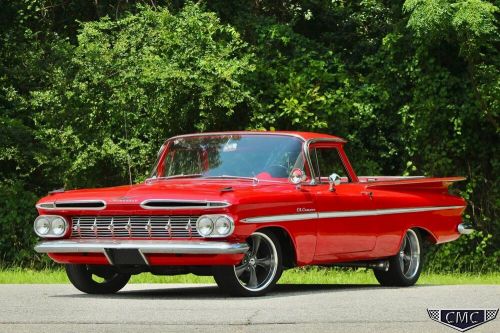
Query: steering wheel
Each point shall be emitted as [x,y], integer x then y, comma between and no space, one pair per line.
[277,171]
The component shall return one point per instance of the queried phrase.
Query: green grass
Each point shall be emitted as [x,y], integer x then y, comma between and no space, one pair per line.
[295,276]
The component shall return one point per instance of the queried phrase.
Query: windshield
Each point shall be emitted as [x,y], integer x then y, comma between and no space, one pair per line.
[217,156]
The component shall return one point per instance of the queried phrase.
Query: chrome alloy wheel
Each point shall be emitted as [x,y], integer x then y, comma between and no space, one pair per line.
[405,265]
[409,254]
[259,266]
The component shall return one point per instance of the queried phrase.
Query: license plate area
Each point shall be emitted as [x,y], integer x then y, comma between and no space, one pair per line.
[125,257]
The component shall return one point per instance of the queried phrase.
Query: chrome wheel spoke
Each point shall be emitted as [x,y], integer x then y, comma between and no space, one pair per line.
[264,262]
[255,246]
[252,282]
[402,264]
[403,246]
[240,269]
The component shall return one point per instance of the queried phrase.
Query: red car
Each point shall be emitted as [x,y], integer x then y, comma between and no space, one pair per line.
[244,206]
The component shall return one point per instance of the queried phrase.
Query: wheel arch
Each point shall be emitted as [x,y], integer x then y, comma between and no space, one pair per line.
[428,238]
[287,245]
[425,234]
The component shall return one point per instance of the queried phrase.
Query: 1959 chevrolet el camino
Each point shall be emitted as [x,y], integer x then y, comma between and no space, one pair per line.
[244,206]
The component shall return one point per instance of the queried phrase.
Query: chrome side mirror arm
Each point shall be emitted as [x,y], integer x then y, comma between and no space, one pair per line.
[333,180]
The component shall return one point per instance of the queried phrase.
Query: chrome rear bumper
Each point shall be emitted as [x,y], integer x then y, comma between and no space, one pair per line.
[144,246]
[464,229]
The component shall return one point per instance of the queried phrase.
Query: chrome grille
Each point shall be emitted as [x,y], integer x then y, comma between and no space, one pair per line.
[134,227]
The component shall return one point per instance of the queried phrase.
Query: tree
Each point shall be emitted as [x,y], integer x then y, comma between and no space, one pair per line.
[135,81]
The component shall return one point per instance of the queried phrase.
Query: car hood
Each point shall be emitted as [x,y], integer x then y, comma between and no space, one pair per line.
[123,197]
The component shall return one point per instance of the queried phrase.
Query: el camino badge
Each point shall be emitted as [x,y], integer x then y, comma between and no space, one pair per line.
[305,210]
[462,320]
[125,200]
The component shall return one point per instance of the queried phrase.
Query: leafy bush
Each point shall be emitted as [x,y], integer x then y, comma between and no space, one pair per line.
[135,81]
[469,253]
[17,213]
[88,87]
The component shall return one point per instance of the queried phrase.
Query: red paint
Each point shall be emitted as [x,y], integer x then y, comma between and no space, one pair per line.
[316,241]
[79,258]
[153,259]
[193,260]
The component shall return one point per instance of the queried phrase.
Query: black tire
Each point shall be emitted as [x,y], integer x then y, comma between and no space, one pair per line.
[244,285]
[82,277]
[402,271]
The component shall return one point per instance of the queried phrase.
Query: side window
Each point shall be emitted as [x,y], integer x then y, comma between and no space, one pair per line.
[327,161]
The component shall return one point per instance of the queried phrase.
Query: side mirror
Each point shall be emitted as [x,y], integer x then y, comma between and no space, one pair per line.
[297,176]
[333,180]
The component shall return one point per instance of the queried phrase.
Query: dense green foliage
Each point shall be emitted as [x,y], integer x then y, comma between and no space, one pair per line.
[413,85]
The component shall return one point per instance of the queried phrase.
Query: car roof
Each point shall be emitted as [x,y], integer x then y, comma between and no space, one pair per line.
[302,135]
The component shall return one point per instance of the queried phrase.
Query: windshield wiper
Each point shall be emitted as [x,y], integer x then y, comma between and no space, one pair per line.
[254,179]
[193,175]
[199,175]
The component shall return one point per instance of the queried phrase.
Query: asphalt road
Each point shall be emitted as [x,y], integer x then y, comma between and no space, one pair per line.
[202,308]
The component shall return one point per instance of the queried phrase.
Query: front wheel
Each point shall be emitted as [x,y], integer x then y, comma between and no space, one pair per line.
[259,270]
[405,267]
[93,279]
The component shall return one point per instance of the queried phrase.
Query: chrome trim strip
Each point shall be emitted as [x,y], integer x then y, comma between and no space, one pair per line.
[55,203]
[375,178]
[208,204]
[235,133]
[389,211]
[174,247]
[306,152]
[281,218]
[339,214]
[464,229]
[45,205]
[107,257]
[144,257]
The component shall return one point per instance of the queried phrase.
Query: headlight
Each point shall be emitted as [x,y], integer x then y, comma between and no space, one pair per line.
[58,226]
[50,226]
[205,226]
[223,225]
[215,225]
[42,226]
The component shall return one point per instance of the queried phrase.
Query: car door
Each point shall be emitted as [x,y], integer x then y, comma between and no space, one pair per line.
[343,225]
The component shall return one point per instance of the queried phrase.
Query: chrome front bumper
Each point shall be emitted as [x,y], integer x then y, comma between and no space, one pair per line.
[144,246]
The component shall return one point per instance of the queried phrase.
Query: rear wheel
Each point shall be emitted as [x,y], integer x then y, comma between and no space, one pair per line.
[93,279]
[259,270]
[404,267]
